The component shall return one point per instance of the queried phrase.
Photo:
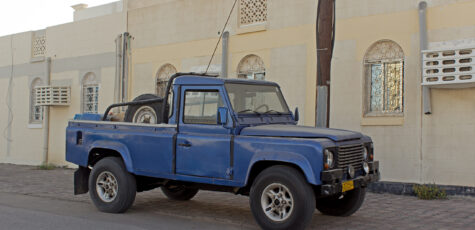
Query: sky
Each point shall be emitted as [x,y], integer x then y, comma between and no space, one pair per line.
[25,15]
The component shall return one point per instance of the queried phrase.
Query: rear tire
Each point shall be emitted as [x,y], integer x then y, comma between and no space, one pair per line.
[149,113]
[179,192]
[281,198]
[342,204]
[112,189]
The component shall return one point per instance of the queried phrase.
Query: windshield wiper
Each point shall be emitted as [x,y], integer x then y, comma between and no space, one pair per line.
[249,110]
[272,111]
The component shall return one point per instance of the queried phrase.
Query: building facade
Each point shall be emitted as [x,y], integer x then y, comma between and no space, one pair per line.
[376,80]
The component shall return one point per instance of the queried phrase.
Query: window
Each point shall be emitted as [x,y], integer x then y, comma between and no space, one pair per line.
[251,67]
[163,74]
[384,70]
[252,12]
[201,107]
[90,94]
[36,112]
[253,99]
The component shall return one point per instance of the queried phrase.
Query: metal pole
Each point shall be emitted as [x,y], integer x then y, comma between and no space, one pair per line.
[46,114]
[224,57]
[426,103]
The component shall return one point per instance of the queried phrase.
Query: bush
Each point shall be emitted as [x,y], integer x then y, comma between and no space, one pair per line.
[429,192]
[46,167]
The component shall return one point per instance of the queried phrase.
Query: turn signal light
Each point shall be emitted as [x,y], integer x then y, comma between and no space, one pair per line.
[326,166]
[371,156]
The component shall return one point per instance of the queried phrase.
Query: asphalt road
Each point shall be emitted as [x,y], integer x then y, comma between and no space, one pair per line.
[23,212]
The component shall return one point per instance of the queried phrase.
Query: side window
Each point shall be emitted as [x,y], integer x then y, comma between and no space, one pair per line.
[201,107]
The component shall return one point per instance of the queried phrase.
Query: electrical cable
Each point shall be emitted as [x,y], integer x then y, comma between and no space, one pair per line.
[220,36]
[8,98]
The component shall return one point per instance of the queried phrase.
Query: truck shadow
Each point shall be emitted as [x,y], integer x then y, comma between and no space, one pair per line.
[230,209]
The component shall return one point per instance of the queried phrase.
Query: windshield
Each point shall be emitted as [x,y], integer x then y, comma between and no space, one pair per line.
[256,99]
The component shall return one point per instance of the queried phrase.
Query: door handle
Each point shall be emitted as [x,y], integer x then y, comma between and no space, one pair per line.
[186,144]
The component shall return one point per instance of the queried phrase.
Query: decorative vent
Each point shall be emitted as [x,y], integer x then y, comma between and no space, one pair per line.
[52,95]
[448,67]
[252,12]
[39,46]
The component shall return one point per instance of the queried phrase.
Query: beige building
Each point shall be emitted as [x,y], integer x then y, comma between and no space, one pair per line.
[376,76]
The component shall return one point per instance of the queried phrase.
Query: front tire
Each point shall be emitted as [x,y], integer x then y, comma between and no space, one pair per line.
[179,192]
[281,198]
[342,204]
[112,188]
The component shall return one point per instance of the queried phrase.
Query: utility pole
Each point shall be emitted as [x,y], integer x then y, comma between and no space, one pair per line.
[325,29]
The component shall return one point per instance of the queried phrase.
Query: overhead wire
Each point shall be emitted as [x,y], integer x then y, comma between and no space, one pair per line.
[220,36]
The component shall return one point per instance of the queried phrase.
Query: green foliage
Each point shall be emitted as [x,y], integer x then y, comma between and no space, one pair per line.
[429,192]
[46,167]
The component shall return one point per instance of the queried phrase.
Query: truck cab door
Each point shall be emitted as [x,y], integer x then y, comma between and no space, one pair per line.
[203,146]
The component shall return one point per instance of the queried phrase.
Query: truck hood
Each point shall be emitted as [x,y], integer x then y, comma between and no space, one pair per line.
[300,131]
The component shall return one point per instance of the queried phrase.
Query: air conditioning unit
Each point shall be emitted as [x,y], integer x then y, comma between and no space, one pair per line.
[453,68]
[52,95]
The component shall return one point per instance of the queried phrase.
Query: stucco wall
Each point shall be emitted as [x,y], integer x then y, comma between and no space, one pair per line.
[184,33]
[413,148]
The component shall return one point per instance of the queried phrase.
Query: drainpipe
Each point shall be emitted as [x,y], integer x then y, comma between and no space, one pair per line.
[224,58]
[124,79]
[118,69]
[46,114]
[426,104]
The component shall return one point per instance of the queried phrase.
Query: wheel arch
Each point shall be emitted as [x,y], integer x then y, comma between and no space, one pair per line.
[264,161]
[102,149]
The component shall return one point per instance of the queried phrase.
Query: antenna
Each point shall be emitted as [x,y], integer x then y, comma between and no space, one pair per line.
[220,36]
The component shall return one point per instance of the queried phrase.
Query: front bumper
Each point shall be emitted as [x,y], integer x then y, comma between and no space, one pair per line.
[332,179]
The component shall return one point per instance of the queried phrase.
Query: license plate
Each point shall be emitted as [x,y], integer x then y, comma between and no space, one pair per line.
[347,186]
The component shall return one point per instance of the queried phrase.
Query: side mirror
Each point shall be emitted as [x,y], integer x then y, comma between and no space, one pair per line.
[222,116]
[296,114]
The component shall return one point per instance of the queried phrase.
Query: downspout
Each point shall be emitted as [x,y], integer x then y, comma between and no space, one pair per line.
[118,69]
[46,114]
[426,104]
[224,58]
[124,79]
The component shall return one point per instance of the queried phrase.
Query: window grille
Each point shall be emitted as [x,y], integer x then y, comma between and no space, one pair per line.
[39,46]
[163,74]
[91,98]
[251,67]
[384,67]
[252,12]
[448,67]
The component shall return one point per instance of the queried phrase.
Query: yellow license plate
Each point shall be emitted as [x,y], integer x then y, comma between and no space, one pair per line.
[347,186]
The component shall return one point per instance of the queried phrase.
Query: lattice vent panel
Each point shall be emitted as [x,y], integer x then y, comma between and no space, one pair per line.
[39,46]
[252,11]
[446,67]
[52,95]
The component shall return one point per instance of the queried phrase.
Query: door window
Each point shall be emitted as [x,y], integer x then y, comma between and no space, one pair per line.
[201,107]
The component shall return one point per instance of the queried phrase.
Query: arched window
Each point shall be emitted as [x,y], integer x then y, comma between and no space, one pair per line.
[90,93]
[36,112]
[251,67]
[163,74]
[384,77]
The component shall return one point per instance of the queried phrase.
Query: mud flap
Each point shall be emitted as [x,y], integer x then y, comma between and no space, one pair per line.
[81,178]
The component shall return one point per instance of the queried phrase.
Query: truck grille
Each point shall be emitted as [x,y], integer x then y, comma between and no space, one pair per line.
[350,155]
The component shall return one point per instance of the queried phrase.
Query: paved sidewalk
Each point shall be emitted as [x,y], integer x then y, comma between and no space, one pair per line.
[380,211]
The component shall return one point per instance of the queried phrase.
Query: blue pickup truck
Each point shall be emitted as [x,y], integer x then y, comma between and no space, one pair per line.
[229,135]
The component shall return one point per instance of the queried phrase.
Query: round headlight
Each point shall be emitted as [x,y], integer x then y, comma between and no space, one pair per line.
[365,154]
[329,160]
